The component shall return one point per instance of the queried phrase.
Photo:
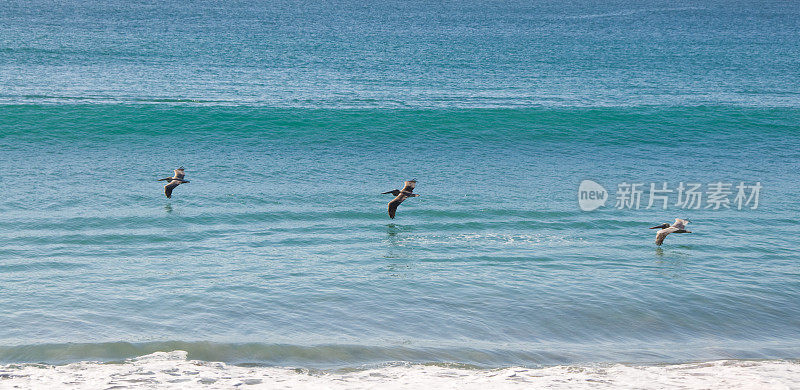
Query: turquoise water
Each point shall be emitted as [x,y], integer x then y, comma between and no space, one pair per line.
[292,118]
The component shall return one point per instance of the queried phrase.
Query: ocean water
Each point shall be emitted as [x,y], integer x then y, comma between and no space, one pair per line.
[292,117]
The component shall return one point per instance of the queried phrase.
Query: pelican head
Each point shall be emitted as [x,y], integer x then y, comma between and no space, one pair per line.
[662,226]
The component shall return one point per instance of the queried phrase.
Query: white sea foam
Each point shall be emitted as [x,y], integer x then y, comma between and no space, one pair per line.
[484,238]
[171,370]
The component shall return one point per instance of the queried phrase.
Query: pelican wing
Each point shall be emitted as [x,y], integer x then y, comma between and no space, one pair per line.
[679,223]
[171,186]
[409,186]
[394,203]
[663,233]
[179,174]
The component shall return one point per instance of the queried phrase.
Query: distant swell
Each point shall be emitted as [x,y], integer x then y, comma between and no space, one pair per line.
[597,125]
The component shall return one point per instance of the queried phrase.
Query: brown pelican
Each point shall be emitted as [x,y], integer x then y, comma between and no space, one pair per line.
[173,182]
[677,227]
[400,196]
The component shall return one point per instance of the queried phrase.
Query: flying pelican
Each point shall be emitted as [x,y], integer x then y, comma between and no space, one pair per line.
[173,182]
[401,195]
[677,227]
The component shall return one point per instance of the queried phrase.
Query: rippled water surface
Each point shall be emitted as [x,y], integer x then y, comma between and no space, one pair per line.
[280,249]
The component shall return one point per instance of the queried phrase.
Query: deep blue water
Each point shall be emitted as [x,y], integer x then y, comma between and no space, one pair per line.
[402,53]
[291,118]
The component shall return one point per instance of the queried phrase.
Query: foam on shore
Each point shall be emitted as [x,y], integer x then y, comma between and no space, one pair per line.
[172,370]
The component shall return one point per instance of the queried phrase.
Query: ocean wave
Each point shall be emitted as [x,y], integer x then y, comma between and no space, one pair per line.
[257,125]
[172,370]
